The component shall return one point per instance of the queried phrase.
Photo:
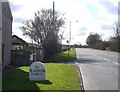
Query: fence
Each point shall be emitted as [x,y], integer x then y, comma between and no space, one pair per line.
[20,57]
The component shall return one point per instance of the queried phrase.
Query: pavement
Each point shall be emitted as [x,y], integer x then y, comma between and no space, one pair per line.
[99,69]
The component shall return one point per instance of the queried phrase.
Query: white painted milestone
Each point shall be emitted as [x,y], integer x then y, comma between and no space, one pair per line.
[37,72]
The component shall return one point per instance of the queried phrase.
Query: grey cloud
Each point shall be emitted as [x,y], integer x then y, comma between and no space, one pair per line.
[82,31]
[15,7]
[83,28]
[16,19]
[106,27]
[110,7]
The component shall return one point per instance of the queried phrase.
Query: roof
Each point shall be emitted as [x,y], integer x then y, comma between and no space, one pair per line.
[17,40]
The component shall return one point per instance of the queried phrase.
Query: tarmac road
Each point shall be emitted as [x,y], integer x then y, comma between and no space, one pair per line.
[99,69]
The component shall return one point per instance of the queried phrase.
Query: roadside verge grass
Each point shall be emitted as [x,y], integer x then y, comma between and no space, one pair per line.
[63,56]
[58,77]
[105,50]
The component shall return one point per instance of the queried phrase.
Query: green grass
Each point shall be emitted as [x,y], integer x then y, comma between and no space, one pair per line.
[58,77]
[106,50]
[63,56]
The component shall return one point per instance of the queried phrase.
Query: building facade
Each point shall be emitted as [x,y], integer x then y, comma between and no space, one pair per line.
[0,34]
[18,43]
[6,33]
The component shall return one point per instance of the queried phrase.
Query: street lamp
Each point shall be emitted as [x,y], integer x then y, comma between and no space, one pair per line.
[69,42]
[70,29]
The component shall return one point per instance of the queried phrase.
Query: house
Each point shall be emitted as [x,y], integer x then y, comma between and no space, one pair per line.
[5,33]
[0,35]
[18,43]
[20,54]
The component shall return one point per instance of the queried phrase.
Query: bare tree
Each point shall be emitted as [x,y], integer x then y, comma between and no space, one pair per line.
[116,29]
[115,40]
[44,28]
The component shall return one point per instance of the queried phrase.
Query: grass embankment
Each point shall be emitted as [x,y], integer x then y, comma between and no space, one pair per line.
[105,50]
[58,77]
[63,56]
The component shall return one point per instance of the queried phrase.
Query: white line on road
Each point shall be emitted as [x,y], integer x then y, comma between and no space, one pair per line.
[116,63]
[102,58]
[106,59]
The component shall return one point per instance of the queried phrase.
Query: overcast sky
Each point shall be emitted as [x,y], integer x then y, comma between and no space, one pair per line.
[96,16]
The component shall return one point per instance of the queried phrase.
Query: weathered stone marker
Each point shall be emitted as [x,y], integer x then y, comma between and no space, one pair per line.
[37,72]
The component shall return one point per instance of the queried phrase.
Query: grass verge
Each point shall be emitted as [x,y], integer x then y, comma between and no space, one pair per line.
[63,56]
[58,77]
[105,50]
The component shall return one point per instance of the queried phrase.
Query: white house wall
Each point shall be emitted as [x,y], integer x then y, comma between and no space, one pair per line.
[0,34]
[0,46]
[6,37]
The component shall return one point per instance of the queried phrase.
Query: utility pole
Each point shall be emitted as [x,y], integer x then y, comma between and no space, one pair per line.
[53,16]
[70,34]
[53,11]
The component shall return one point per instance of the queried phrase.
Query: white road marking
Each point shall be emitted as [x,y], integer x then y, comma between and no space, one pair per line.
[116,63]
[106,59]
[102,57]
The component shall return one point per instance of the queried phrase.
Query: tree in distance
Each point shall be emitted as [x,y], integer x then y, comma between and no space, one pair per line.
[93,38]
[115,39]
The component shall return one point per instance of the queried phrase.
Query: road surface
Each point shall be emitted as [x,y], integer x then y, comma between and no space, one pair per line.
[99,69]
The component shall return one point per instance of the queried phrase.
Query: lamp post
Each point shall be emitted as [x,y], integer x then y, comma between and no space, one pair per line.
[69,41]
[70,33]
